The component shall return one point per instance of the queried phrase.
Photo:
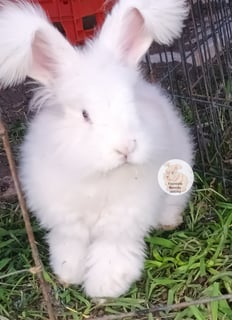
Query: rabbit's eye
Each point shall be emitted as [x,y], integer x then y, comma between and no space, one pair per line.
[85,115]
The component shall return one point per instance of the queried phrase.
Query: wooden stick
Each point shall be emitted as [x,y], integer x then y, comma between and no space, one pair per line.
[154,309]
[26,218]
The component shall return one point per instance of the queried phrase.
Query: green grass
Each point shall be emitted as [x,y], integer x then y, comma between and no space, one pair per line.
[191,262]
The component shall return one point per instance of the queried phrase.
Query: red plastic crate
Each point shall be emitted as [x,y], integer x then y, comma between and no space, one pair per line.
[78,19]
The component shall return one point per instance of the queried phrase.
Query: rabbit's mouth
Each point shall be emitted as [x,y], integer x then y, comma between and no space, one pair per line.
[132,160]
[127,163]
[123,164]
[126,160]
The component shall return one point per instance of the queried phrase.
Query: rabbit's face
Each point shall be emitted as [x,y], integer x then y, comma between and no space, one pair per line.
[102,108]
[103,124]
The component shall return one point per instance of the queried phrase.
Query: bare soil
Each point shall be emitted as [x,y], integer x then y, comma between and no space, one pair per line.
[13,111]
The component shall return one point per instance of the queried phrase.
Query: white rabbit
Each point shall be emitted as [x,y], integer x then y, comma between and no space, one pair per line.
[91,156]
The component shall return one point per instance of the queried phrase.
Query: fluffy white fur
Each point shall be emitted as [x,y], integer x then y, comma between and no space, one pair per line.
[91,177]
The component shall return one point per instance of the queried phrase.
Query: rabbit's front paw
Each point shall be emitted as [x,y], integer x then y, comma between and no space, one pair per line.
[111,269]
[67,256]
[165,225]
[68,271]
[171,216]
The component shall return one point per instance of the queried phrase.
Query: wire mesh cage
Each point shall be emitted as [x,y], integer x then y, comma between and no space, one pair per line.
[197,71]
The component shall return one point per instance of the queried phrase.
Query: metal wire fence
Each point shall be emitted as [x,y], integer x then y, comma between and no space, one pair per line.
[197,71]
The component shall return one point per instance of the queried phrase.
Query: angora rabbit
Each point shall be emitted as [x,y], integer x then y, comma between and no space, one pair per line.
[91,155]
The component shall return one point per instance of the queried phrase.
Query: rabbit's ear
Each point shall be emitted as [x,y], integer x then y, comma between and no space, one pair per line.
[43,66]
[132,25]
[49,56]
[30,45]
[125,35]
[134,39]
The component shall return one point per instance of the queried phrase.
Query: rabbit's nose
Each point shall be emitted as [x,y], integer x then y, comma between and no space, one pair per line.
[126,149]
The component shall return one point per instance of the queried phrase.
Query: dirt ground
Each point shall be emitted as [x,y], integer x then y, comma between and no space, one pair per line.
[13,110]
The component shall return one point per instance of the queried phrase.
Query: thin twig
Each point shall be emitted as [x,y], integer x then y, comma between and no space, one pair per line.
[170,307]
[30,234]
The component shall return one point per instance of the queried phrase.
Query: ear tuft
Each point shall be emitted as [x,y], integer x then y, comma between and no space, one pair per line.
[30,45]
